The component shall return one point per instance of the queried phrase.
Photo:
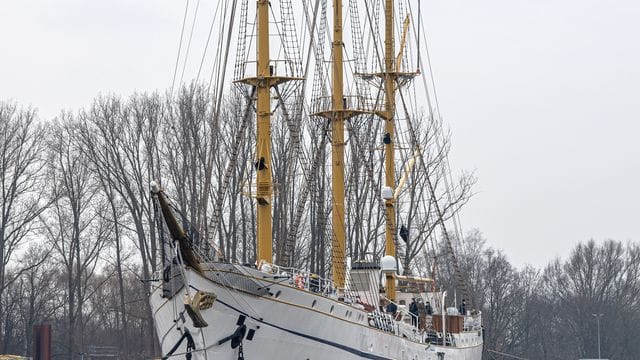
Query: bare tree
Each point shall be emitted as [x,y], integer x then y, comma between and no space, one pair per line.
[74,226]
[21,195]
[593,280]
[185,148]
[39,299]
[121,142]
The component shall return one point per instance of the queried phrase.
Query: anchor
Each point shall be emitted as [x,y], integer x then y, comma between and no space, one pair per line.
[202,300]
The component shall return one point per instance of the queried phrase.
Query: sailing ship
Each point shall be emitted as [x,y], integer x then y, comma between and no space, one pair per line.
[206,307]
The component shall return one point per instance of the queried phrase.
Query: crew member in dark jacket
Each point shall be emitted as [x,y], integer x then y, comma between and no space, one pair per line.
[462,309]
[392,309]
[413,309]
[428,309]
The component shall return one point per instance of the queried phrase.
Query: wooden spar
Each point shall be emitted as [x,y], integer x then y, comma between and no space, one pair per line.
[403,42]
[189,257]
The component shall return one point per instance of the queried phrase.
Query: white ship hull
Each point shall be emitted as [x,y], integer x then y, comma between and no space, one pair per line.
[284,322]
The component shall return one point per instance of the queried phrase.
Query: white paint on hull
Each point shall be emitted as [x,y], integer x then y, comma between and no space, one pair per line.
[295,324]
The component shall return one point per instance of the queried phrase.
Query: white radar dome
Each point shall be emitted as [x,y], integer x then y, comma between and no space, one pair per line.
[387,193]
[388,264]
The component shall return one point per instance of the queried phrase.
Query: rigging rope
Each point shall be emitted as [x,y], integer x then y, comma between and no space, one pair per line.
[190,346]
[186,55]
[447,167]
[231,166]
[206,45]
[308,172]
[241,44]
[214,134]
[419,33]
[440,215]
[175,70]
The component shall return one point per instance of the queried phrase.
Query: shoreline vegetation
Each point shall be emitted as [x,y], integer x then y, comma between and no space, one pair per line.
[78,235]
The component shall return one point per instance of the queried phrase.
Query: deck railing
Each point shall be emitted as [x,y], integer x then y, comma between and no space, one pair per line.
[300,278]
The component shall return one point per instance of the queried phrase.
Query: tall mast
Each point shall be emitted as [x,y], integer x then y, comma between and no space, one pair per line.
[337,152]
[389,77]
[263,81]
[263,142]
[337,115]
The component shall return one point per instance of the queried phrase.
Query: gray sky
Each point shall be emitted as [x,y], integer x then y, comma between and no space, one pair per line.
[541,97]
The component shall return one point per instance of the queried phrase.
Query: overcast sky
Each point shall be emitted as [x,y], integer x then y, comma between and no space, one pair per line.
[542,98]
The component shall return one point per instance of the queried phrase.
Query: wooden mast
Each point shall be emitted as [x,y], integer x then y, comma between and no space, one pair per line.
[263,81]
[337,153]
[389,139]
[338,114]
[264,181]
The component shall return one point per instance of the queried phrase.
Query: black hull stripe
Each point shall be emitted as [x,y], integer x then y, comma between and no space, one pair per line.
[354,351]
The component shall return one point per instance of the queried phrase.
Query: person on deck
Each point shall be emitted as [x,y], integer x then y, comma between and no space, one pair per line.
[413,309]
[428,309]
[392,309]
[314,283]
[462,309]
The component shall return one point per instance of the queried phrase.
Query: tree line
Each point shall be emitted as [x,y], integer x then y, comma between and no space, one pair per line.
[79,235]
[548,312]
